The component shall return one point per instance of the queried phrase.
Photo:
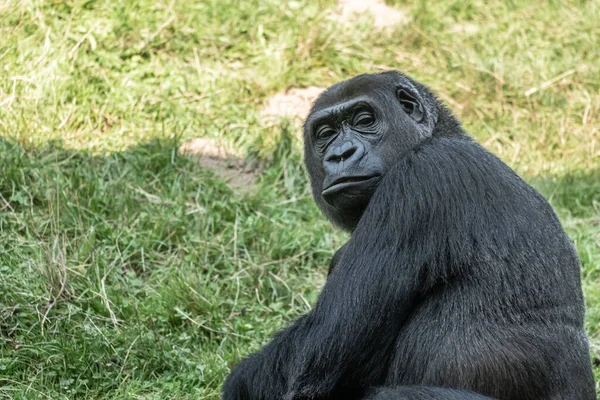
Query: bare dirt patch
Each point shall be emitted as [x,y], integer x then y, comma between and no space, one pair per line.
[384,15]
[228,164]
[466,28]
[294,103]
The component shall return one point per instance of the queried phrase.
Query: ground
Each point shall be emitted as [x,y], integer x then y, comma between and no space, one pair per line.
[130,268]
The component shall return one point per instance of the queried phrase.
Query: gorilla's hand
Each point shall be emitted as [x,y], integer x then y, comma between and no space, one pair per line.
[264,375]
[235,387]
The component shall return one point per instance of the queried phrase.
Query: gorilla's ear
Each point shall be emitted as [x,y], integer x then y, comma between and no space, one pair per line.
[411,103]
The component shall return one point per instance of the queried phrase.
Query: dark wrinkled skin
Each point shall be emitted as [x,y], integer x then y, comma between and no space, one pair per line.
[458,281]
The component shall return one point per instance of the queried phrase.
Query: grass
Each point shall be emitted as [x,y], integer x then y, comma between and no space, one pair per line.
[128,271]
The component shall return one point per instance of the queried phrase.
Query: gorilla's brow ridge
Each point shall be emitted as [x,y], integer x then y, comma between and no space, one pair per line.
[338,109]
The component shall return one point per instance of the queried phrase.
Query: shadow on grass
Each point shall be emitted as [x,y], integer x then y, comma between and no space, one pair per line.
[131,267]
[90,249]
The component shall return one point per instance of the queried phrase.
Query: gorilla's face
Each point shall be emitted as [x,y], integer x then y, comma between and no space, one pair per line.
[346,139]
[354,134]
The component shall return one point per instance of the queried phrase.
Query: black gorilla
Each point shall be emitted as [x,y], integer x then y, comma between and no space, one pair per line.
[458,281]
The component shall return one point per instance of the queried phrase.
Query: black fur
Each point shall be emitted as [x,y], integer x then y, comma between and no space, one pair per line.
[458,281]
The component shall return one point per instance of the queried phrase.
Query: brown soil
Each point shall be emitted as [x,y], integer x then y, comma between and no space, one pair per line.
[384,15]
[227,164]
[294,103]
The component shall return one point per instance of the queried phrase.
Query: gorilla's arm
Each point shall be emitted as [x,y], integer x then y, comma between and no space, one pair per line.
[417,231]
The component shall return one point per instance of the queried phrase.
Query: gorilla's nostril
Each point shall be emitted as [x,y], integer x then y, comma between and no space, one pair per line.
[348,153]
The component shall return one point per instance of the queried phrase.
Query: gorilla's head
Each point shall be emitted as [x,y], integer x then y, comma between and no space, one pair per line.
[356,131]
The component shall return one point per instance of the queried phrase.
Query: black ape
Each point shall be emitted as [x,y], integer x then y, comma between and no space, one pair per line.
[458,281]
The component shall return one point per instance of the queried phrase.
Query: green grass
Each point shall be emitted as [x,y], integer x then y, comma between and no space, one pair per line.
[127,271]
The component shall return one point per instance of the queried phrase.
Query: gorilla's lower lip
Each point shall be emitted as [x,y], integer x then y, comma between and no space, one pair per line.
[346,181]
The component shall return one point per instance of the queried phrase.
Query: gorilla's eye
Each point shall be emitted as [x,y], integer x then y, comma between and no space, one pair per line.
[363,118]
[325,132]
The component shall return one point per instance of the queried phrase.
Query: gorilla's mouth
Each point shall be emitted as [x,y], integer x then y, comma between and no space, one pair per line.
[344,182]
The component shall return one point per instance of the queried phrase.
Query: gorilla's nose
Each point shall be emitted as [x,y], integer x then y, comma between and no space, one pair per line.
[342,156]
[341,153]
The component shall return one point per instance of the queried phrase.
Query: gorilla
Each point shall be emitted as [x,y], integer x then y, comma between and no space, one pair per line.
[458,281]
